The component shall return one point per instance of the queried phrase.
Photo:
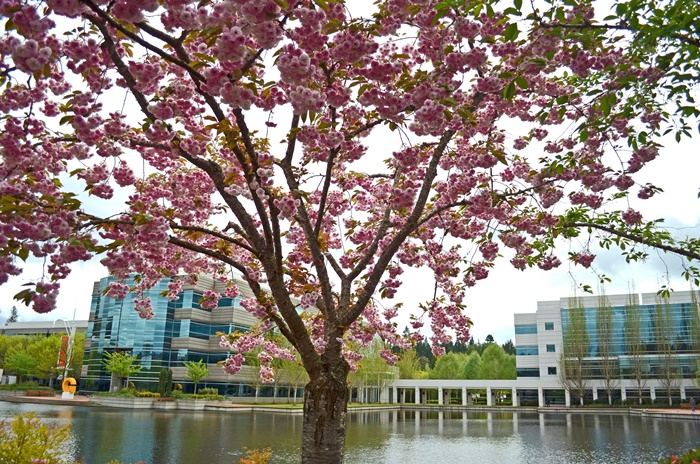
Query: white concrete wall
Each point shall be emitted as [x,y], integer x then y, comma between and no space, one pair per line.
[549,312]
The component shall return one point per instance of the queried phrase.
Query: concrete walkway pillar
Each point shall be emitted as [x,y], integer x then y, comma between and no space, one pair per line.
[595,393]
[489,397]
[516,400]
[440,395]
[623,393]
[540,397]
[417,395]
[683,397]
[464,396]
[652,393]
[395,395]
[567,398]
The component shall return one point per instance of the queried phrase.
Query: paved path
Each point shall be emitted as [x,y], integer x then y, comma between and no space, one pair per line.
[81,400]
[78,400]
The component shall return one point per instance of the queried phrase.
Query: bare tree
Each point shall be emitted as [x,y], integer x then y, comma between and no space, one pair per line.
[634,343]
[294,375]
[577,345]
[664,334]
[608,361]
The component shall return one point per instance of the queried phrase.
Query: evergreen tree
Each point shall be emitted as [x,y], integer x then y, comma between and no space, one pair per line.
[13,315]
[509,347]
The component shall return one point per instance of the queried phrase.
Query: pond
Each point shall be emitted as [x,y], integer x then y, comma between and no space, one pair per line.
[401,437]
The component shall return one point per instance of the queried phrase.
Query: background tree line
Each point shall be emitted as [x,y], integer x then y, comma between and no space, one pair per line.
[474,360]
[36,356]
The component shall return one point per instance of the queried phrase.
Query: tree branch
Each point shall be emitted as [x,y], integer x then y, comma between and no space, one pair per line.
[691,255]
[166,56]
[214,233]
[122,68]
[326,187]
[409,226]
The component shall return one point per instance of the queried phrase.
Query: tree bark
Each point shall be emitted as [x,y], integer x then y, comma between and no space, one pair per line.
[325,411]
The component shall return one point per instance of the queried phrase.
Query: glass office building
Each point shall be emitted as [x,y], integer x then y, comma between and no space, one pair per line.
[653,338]
[181,330]
[645,345]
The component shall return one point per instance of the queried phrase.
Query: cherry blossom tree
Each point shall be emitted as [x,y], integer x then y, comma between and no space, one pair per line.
[319,149]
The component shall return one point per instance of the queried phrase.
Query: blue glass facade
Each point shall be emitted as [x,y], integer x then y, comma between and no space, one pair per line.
[528,371]
[526,350]
[528,329]
[666,331]
[114,325]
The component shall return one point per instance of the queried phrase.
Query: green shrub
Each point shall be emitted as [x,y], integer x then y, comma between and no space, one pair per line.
[189,396]
[27,439]
[146,394]
[208,391]
[125,393]
[24,386]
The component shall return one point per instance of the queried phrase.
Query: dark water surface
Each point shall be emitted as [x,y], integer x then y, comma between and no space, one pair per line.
[401,437]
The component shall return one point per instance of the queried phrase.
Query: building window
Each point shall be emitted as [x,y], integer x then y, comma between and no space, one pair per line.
[551,349]
[526,351]
[528,372]
[552,370]
[525,329]
[549,326]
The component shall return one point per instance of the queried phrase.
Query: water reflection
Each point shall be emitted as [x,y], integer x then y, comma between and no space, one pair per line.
[403,437]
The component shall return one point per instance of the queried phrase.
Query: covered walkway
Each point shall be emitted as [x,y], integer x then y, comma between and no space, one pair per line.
[522,392]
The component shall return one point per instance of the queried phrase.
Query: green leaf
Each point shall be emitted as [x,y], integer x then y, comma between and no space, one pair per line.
[583,135]
[439,14]
[323,4]
[522,82]
[25,296]
[509,91]
[511,32]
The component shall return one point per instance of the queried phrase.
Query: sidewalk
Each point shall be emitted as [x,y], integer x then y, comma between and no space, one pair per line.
[78,400]
[81,400]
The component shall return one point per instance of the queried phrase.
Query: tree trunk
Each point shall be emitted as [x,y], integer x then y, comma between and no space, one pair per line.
[325,411]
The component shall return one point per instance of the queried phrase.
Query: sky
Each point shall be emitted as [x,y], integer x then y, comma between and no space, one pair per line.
[492,302]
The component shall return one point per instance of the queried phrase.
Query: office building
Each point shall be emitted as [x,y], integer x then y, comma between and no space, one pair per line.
[634,345]
[181,330]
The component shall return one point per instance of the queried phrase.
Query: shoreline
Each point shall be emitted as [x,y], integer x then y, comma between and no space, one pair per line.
[85,401]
